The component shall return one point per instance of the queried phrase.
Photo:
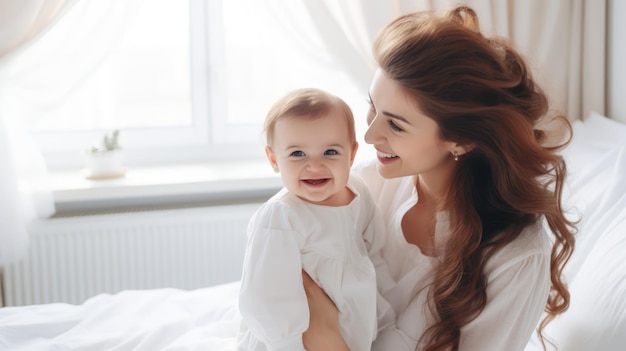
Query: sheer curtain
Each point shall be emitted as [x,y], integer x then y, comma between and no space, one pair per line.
[22,22]
[48,49]
[563,40]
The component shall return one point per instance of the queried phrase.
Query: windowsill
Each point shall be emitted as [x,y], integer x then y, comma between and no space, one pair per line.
[164,186]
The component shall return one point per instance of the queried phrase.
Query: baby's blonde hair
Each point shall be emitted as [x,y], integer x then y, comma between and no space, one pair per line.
[309,103]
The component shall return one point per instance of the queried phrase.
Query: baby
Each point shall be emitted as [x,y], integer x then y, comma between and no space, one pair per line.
[323,222]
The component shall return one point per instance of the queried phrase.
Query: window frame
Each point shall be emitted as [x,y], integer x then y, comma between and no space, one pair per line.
[207,139]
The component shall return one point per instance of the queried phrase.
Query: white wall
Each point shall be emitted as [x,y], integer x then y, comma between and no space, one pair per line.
[616,63]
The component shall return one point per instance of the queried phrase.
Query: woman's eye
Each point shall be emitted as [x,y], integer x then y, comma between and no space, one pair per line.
[297,154]
[394,126]
[331,152]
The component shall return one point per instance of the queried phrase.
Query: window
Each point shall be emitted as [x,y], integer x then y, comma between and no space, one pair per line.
[183,81]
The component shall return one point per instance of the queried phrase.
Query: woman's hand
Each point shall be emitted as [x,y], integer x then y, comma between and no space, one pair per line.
[323,333]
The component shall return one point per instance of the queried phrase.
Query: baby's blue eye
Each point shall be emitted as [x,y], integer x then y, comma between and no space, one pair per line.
[297,153]
[331,152]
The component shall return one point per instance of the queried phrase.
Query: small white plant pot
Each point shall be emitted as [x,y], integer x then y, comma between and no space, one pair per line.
[104,165]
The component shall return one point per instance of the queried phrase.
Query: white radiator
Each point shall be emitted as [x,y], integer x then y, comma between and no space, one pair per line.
[74,258]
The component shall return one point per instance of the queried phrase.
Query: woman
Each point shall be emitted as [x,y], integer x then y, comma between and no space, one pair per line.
[468,190]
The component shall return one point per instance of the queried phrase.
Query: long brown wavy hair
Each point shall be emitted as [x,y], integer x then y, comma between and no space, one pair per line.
[480,93]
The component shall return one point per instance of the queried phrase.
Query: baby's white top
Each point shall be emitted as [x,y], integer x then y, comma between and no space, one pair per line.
[287,234]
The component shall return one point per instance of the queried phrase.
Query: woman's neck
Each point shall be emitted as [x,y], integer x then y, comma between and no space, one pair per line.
[432,187]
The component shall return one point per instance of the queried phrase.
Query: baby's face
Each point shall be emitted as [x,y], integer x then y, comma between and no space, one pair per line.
[314,157]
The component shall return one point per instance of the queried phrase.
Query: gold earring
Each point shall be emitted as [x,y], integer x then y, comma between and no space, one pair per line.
[456,155]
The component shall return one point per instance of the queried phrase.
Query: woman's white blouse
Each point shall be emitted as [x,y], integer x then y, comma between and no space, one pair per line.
[332,244]
[517,278]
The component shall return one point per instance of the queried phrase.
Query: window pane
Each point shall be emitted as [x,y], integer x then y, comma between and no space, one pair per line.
[192,80]
[151,81]
[263,60]
[142,82]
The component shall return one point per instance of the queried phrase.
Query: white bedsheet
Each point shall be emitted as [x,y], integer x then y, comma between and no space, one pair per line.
[144,320]
[208,319]
[596,273]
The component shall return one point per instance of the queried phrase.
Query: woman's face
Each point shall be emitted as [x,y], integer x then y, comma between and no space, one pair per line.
[406,140]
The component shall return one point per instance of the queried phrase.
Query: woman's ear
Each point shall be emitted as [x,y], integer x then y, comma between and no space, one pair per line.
[463,149]
[355,147]
[272,158]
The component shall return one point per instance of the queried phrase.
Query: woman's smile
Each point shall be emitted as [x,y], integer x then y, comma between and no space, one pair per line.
[386,157]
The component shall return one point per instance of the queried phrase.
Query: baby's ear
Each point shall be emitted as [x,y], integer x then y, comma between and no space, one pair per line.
[355,147]
[272,158]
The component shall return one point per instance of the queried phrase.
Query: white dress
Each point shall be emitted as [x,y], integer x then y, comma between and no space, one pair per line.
[287,234]
[517,278]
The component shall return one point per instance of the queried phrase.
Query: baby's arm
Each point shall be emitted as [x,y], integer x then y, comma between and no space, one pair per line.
[272,300]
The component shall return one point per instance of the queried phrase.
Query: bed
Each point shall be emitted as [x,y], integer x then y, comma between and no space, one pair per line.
[208,319]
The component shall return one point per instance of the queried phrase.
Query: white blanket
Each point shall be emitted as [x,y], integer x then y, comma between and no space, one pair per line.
[143,320]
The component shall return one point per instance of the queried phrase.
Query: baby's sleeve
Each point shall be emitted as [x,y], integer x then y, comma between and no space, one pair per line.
[272,300]
[375,239]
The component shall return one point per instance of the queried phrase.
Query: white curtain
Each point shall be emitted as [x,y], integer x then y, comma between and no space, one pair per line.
[48,48]
[24,20]
[21,23]
[563,40]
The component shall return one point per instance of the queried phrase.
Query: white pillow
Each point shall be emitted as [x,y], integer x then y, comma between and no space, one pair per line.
[596,187]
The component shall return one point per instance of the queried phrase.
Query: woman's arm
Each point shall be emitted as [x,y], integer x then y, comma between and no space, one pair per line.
[323,333]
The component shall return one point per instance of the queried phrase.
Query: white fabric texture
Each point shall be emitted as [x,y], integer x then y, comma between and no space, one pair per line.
[48,48]
[24,20]
[140,320]
[287,235]
[21,23]
[517,278]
